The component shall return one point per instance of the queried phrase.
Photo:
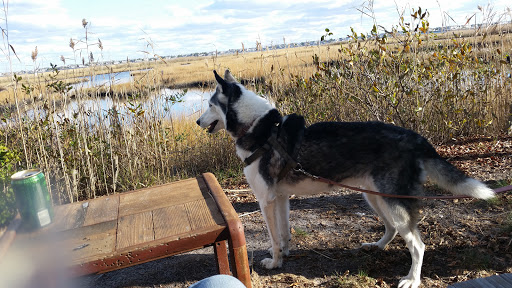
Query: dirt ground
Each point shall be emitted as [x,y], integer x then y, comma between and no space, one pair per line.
[464,239]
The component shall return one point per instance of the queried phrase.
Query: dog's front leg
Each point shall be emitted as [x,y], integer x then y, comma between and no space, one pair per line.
[268,209]
[283,223]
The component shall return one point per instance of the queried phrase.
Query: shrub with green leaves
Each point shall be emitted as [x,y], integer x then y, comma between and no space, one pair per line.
[441,88]
[7,201]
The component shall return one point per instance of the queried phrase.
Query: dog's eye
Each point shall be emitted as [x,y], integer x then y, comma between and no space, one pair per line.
[210,105]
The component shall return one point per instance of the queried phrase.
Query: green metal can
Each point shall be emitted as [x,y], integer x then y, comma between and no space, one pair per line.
[32,198]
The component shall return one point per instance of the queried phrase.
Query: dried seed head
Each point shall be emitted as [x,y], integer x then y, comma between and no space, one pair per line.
[63,59]
[34,55]
[100,45]
[84,22]
[71,43]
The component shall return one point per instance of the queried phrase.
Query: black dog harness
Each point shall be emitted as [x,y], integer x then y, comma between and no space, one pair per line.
[275,142]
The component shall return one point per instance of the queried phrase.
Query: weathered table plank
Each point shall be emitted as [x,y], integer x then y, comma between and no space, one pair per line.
[68,216]
[148,199]
[199,215]
[168,221]
[135,229]
[102,210]
[87,242]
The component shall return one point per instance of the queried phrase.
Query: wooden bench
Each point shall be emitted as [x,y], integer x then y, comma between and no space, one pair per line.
[126,229]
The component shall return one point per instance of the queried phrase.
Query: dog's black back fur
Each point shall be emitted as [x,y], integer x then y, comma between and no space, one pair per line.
[348,150]
[353,149]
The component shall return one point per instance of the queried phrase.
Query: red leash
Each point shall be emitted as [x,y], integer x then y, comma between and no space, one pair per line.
[438,197]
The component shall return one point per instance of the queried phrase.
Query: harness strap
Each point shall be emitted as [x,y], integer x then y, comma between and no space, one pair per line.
[290,161]
[266,147]
[257,154]
[273,143]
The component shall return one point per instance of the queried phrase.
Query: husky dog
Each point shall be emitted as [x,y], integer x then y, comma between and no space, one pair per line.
[372,155]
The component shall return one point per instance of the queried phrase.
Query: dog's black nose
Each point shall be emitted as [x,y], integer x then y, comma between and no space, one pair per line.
[198,122]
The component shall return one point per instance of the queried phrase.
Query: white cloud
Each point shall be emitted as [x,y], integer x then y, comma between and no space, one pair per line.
[181,27]
[38,13]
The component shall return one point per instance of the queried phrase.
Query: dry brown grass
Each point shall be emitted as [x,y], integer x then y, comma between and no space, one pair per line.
[273,65]
[197,71]
[189,71]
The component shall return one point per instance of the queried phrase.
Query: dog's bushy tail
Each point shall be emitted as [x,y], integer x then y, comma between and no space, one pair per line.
[450,178]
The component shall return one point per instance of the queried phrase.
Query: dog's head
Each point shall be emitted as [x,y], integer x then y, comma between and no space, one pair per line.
[232,107]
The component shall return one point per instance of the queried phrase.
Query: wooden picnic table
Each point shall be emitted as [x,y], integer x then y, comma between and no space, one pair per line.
[126,229]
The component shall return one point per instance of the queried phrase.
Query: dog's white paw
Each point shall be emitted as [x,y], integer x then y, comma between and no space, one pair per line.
[409,282]
[370,246]
[271,263]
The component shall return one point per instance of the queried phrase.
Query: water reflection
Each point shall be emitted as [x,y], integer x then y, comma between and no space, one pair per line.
[99,111]
[103,80]
[161,106]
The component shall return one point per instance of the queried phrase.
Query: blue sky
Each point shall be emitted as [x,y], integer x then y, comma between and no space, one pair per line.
[126,28]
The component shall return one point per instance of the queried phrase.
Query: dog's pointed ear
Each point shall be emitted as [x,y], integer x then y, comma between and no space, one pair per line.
[218,78]
[228,77]
[222,83]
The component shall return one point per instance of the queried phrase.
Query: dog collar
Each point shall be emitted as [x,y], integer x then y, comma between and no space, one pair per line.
[245,129]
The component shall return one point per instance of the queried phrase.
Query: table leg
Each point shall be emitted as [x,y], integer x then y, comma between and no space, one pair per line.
[221,255]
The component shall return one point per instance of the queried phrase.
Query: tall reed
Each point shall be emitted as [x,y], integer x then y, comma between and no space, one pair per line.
[91,152]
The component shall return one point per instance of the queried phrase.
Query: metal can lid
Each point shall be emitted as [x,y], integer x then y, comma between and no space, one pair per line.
[25,174]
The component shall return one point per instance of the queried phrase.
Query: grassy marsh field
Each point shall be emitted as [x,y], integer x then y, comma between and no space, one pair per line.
[442,85]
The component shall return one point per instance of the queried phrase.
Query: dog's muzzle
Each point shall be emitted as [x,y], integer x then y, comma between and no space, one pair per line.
[210,127]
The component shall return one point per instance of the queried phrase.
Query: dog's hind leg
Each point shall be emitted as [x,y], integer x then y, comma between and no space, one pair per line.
[283,223]
[403,216]
[398,219]
[382,209]
[411,235]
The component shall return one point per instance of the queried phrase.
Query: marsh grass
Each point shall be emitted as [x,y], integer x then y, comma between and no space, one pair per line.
[347,280]
[92,152]
[441,85]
